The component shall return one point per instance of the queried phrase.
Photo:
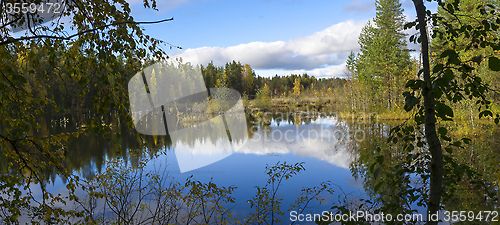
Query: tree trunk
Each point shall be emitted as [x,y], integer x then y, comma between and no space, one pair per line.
[436,170]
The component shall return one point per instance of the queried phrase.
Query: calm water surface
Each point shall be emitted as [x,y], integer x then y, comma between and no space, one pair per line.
[326,144]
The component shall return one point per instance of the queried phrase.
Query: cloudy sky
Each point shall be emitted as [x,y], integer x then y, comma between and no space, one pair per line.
[273,36]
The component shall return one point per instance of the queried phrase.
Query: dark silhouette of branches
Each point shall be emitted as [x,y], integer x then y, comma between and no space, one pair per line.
[12,40]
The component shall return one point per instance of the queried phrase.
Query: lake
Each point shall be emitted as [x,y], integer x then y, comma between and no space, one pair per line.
[333,148]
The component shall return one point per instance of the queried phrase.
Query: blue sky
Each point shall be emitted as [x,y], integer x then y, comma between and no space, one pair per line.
[273,36]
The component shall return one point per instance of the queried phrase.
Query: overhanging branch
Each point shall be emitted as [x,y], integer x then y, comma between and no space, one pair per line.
[12,40]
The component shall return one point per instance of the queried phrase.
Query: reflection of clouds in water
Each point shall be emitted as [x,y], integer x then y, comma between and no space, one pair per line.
[324,142]
[325,139]
[327,121]
[201,154]
[358,184]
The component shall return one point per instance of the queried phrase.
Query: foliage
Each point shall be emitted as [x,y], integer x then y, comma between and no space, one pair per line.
[45,70]
[130,194]
[263,98]
[134,195]
[453,80]
[378,72]
[266,203]
[470,14]
[420,163]
[297,87]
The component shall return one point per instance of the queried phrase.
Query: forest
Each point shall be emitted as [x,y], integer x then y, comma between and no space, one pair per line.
[434,145]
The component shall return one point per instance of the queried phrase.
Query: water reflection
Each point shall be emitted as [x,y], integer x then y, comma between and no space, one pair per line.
[304,134]
[333,149]
[324,139]
[400,183]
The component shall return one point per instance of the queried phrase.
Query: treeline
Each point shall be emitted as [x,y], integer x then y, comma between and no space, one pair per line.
[243,79]
[67,78]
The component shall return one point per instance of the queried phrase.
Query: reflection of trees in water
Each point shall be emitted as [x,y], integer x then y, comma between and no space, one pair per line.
[398,187]
[483,157]
[87,153]
[394,188]
[384,182]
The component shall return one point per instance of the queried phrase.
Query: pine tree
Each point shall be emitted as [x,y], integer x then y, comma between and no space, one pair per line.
[384,53]
[210,75]
[234,75]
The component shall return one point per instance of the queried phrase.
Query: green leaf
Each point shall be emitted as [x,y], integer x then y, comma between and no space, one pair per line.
[372,167]
[485,113]
[457,144]
[443,111]
[448,52]
[494,63]
[448,75]
[450,8]
[438,68]
[380,159]
[442,131]
[410,102]
[377,172]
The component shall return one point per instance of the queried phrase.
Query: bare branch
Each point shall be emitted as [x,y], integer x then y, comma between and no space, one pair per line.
[11,22]
[12,40]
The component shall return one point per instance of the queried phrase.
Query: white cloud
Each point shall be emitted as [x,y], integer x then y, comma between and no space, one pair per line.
[326,72]
[360,6]
[321,54]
